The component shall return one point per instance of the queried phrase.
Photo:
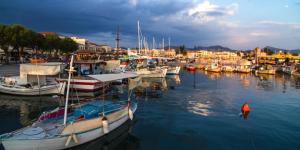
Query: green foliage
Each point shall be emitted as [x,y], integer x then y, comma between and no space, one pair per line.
[19,37]
[268,51]
[68,45]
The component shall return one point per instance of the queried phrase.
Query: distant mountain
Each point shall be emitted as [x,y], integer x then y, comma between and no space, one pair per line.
[213,48]
[274,49]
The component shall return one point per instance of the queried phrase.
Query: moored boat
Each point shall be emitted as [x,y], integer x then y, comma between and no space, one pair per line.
[191,68]
[173,70]
[266,69]
[33,80]
[67,127]
[82,82]
[214,67]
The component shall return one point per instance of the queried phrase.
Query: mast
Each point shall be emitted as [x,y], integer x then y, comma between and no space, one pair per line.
[118,39]
[169,44]
[163,43]
[71,69]
[152,42]
[139,42]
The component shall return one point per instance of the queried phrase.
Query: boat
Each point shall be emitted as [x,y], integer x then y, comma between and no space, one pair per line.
[152,73]
[227,69]
[173,70]
[82,82]
[214,67]
[70,126]
[295,69]
[191,68]
[266,69]
[287,69]
[33,80]
[243,66]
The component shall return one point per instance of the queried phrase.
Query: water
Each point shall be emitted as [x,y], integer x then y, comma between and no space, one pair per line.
[193,111]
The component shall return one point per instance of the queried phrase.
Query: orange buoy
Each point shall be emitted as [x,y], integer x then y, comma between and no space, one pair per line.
[245,108]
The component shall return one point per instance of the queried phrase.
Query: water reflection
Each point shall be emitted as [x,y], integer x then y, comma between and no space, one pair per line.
[151,88]
[29,108]
[213,75]
[199,107]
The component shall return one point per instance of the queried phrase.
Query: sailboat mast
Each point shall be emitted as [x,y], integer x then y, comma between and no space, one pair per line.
[169,43]
[71,69]
[139,42]
[163,43]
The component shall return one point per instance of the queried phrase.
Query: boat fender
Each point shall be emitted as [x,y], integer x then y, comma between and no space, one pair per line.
[130,113]
[75,138]
[70,138]
[105,125]
[68,141]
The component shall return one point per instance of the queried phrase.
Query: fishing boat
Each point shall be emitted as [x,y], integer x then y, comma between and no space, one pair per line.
[266,69]
[152,73]
[295,69]
[191,68]
[173,70]
[214,67]
[227,68]
[33,80]
[243,66]
[81,81]
[67,127]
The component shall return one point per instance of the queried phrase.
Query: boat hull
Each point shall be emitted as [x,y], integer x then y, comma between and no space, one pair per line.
[173,71]
[60,142]
[149,74]
[272,72]
[55,89]
[84,85]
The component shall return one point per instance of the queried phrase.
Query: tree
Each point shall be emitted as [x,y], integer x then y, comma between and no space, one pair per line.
[268,51]
[52,42]
[18,37]
[4,40]
[68,45]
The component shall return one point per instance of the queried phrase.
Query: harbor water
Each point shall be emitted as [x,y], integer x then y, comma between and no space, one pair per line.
[194,110]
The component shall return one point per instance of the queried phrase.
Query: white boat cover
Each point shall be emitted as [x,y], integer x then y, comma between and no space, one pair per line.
[39,69]
[113,77]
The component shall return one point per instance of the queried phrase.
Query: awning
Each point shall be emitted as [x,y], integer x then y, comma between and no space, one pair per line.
[113,77]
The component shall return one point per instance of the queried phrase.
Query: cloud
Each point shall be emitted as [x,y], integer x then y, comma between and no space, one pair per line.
[281,24]
[201,13]
[261,33]
[134,2]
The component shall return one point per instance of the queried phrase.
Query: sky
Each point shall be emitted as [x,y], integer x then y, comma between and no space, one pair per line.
[237,24]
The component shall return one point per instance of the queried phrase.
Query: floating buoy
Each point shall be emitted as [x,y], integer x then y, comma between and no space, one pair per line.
[245,108]
[130,113]
[105,125]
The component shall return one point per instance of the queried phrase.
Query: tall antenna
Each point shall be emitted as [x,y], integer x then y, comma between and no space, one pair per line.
[118,39]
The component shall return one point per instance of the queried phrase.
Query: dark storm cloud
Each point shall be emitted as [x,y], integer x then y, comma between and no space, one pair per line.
[88,18]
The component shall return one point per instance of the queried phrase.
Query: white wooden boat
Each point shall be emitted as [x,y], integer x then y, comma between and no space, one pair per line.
[62,128]
[243,66]
[82,82]
[266,69]
[214,67]
[33,80]
[156,73]
[227,69]
[173,70]
[295,69]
